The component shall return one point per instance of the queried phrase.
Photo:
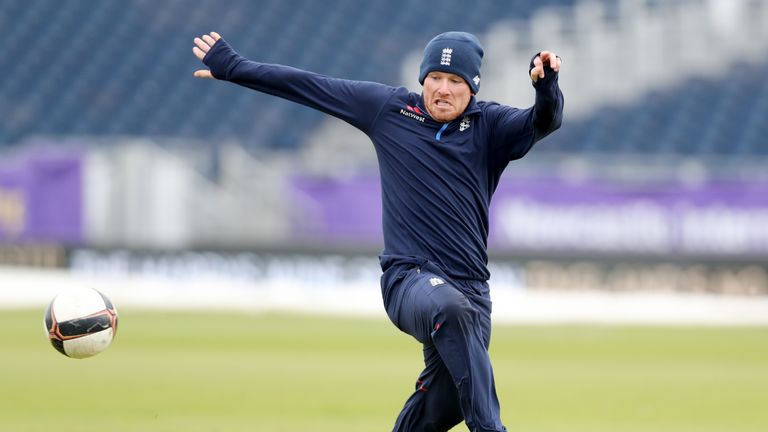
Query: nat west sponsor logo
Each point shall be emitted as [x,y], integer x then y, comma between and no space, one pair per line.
[413,112]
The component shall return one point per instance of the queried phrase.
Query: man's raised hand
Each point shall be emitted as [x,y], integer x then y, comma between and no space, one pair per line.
[544,58]
[203,44]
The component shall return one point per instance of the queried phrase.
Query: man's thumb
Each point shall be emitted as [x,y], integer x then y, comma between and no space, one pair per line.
[204,73]
[536,73]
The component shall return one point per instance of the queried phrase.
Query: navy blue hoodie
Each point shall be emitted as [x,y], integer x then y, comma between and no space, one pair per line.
[437,179]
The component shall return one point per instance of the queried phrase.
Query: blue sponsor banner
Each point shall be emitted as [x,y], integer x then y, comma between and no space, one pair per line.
[715,218]
[41,198]
[546,215]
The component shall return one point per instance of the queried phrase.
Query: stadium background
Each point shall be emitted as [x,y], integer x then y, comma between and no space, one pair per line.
[120,171]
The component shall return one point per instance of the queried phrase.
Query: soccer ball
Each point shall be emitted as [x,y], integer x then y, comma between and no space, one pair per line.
[80,323]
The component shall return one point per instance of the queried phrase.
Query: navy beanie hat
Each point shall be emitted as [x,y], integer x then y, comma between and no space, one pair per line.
[458,53]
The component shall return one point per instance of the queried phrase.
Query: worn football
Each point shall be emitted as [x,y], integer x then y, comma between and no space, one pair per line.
[80,323]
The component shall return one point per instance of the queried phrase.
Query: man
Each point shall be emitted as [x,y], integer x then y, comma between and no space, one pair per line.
[441,154]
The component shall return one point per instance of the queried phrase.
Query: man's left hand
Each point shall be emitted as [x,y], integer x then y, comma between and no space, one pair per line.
[544,58]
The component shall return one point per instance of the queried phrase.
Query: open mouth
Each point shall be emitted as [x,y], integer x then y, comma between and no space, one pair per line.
[440,103]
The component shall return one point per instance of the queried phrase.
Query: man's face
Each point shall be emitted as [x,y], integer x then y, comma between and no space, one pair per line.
[446,95]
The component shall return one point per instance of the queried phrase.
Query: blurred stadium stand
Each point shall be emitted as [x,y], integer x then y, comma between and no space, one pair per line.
[124,68]
[704,117]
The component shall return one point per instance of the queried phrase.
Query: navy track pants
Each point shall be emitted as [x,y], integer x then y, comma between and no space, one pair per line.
[452,319]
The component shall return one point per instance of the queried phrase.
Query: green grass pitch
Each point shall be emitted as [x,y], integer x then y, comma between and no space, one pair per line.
[220,371]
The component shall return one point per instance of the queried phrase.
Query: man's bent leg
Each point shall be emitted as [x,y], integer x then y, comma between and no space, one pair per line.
[457,322]
[461,336]
[434,405]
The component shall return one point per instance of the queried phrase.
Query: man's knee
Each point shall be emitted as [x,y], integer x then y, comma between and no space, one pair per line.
[455,309]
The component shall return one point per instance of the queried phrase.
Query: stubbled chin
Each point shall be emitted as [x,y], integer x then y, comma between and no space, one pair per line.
[442,114]
[444,117]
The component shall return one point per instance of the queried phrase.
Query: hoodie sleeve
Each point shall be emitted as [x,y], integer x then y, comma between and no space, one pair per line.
[356,102]
[517,130]
[548,108]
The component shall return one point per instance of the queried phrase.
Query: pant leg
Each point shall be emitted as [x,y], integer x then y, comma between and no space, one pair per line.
[434,405]
[455,318]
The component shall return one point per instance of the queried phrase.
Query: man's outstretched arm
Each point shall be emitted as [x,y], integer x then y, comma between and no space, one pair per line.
[356,102]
